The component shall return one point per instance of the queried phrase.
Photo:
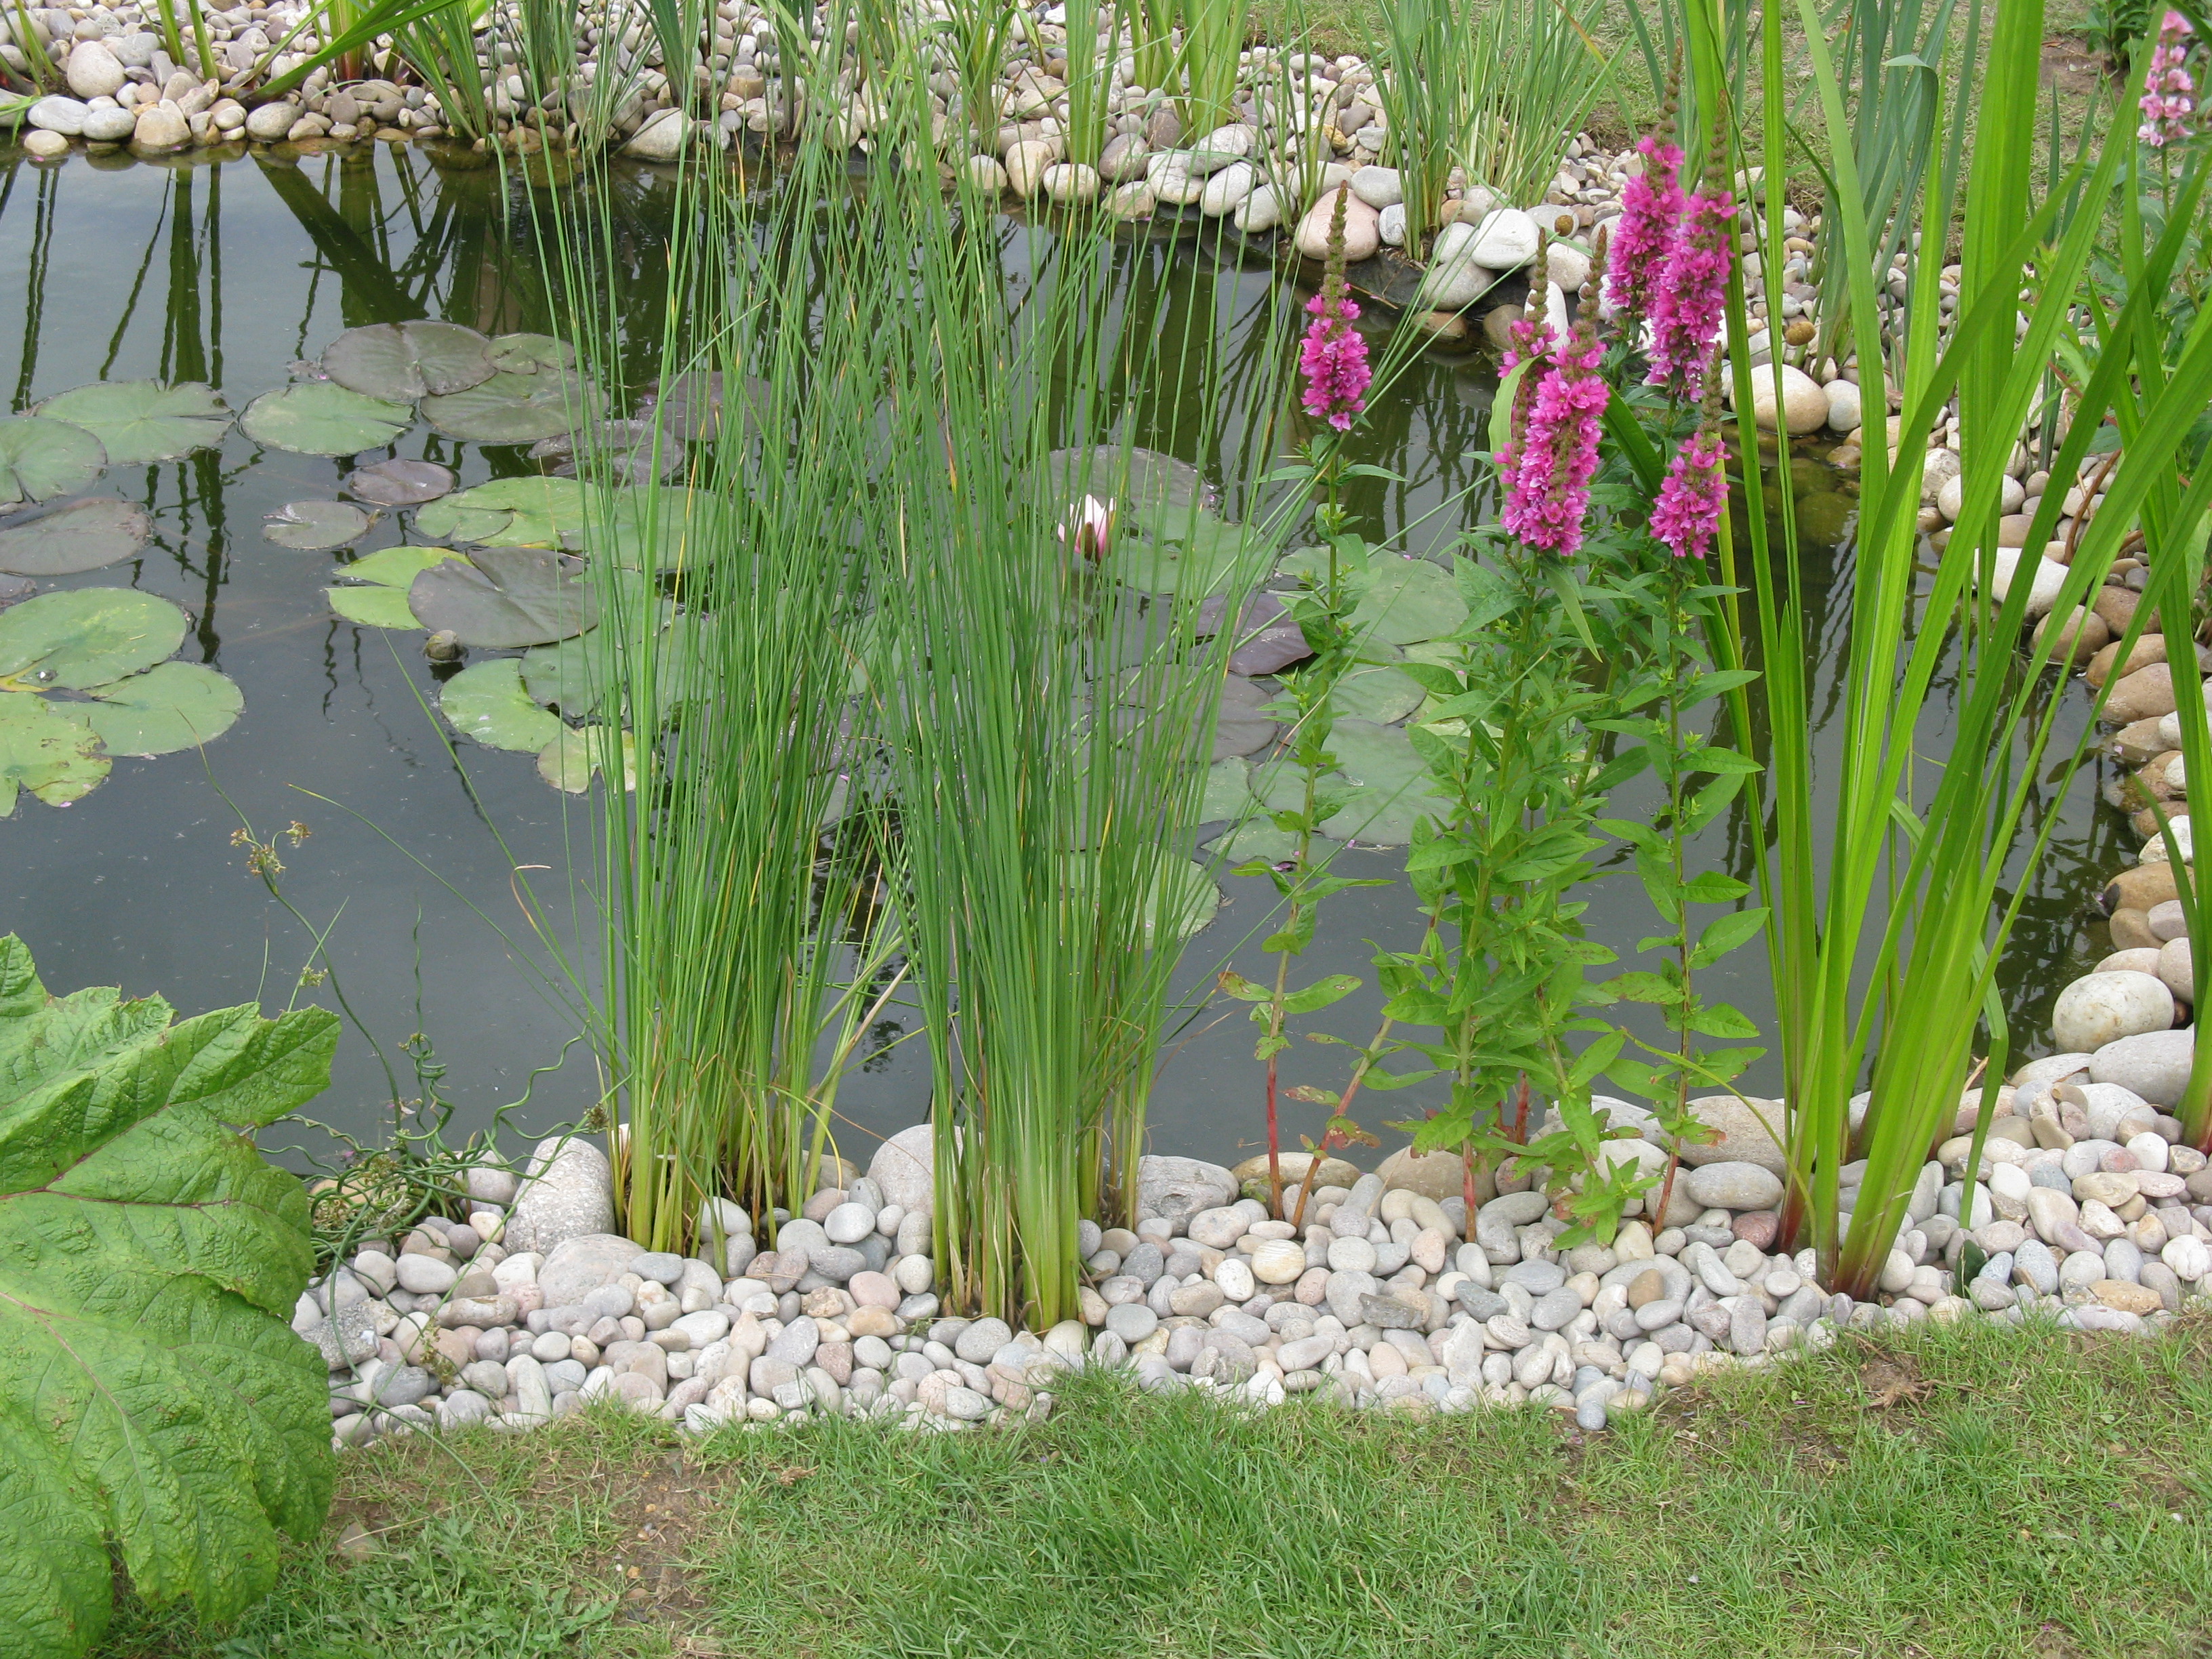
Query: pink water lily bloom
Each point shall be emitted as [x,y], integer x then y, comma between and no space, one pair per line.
[1090,528]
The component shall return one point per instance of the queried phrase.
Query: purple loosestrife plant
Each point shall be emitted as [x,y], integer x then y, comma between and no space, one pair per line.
[1546,470]
[1689,295]
[1650,211]
[2169,99]
[1687,513]
[1333,359]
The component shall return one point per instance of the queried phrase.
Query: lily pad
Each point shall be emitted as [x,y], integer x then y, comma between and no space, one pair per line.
[487,701]
[400,483]
[1377,692]
[1180,899]
[1239,728]
[1179,548]
[86,636]
[1257,840]
[1228,791]
[504,597]
[1405,600]
[55,759]
[569,762]
[172,705]
[1266,638]
[509,409]
[574,675]
[687,528]
[690,406]
[317,417]
[1133,479]
[1380,757]
[406,360]
[388,574]
[526,354]
[81,536]
[139,422]
[510,512]
[41,458]
[317,527]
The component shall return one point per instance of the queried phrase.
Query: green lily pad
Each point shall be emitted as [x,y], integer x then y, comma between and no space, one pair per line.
[503,597]
[1180,899]
[1380,757]
[526,354]
[690,406]
[388,573]
[570,761]
[509,409]
[1378,692]
[574,675]
[1228,790]
[1175,548]
[400,483]
[41,458]
[86,636]
[1133,479]
[55,759]
[1405,600]
[140,421]
[1257,840]
[172,705]
[317,527]
[1280,785]
[403,361]
[510,512]
[1376,817]
[688,528]
[82,536]
[487,701]
[318,417]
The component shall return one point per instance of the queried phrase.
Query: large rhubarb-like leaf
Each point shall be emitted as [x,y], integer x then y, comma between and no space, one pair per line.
[153,1396]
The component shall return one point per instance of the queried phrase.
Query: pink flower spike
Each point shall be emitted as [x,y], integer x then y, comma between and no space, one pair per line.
[1687,513]
[1691,296]
[2169,99]
[1546,470]
[1650,208]
[1334,362]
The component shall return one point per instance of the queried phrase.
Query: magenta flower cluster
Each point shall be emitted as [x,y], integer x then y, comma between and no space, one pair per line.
[1687,514]
[2169,99]
[1689,295]
[1547,465]
[1651,209]
[1333,360]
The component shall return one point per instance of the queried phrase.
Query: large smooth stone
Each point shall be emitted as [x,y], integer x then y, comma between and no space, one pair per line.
[661,138]
[2144,695]
[1742,1137]
[1804,400]
[1455,278]
[575,1267]
[1504,239]
[1226,188]
[160,126]
[1843,405]
[93,71]
[270,122]
[1334,1171]
[1261,211]
[2049,577]
[1177,1189]
[2098,1009]
[2154,1065]
[110,125]
[567,1192]
[64,115]
[1363,229]
[903,1169]
[2175,968]
[1378,186]
[1735,1185]
[1438,1175]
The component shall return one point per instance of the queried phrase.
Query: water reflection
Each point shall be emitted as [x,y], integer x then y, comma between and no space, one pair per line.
[228,271]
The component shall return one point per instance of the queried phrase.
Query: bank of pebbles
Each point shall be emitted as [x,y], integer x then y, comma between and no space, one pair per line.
[2088,1215]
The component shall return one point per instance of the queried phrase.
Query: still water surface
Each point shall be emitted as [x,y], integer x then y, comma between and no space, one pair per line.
[227,272]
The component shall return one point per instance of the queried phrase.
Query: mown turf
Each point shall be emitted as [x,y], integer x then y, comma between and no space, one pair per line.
[1980,1492]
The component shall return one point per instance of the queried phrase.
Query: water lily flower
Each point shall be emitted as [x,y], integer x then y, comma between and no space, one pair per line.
[1092,527]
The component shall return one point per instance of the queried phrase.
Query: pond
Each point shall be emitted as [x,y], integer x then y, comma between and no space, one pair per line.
[228,271]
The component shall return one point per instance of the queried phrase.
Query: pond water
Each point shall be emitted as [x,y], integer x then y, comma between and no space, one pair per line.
[226,271]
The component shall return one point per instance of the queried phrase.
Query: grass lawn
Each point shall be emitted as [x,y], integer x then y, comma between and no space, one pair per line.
[1973,1491]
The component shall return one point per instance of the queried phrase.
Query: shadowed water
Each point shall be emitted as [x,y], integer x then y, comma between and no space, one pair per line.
[227,273]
